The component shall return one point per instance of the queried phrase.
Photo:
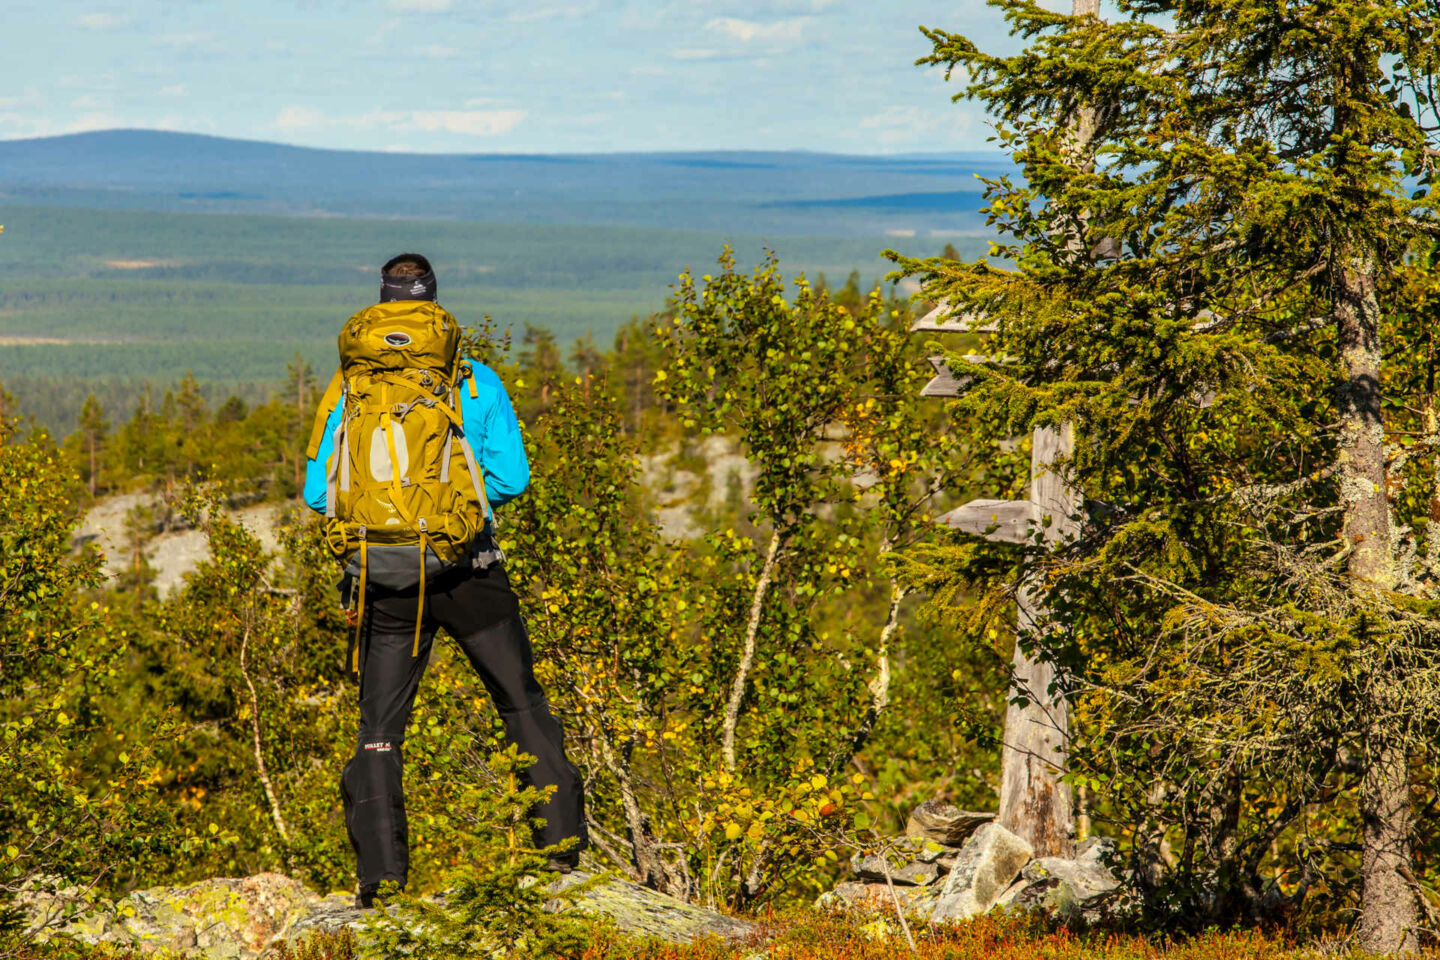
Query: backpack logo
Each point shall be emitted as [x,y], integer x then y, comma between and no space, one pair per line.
[419,287]
[398,339]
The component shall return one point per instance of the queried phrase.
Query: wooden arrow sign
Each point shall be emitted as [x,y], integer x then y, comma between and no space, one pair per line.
[946,384]
[1003,521]
[943,320]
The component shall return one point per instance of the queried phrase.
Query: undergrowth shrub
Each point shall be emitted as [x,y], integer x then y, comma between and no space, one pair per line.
[500,903]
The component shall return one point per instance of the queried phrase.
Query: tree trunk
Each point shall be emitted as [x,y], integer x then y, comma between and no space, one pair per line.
[1389,910]
[1035,804]
[747,657]
[264,774]
[879,685]
[1362,428]
[650,868]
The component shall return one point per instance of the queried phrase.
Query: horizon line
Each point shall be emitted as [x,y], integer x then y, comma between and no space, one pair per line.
[519,154]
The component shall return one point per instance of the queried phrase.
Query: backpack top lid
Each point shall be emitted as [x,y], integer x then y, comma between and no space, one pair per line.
[400,335]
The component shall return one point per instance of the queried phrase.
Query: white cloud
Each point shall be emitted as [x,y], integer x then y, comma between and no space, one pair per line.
[918,127]
[186,123]
[300,118]
[420,6]
[30,98]
[748,31]
[174,90]
[436,51]
[473,123]
[104,21]
[193,39]
[551,13]
[694,53]
[27,125]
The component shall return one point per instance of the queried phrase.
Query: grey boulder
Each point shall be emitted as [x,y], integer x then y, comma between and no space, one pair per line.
[875,867]
[1088,878]
[983,871]
[944,823]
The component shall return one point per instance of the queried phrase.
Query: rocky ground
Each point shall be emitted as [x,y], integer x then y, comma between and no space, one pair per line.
[171,549]
[951,865]
[239,919]
[955,864]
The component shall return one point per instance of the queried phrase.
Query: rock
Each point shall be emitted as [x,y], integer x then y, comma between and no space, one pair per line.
[220,918]
[875,897]
[1011,892]
[1086,877]
[985,867]
[1080,888]
[939,821]
[930,851]
[243,918]
[912,874]
[1095,850]
[1051,895]
[645,913]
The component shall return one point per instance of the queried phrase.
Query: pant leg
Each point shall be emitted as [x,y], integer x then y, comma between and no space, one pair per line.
[482,614]
[372,785]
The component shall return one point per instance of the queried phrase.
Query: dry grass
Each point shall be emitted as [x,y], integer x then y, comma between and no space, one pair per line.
[814,937]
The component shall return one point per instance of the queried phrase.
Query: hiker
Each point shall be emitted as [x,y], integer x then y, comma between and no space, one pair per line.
[412,447]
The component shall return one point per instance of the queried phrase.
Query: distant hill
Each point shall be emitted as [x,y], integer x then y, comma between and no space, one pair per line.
[779,194]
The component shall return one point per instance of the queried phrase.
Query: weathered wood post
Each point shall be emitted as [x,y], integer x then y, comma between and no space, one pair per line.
[1035,803]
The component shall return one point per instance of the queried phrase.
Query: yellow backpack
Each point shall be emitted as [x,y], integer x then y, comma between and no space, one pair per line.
[405,498]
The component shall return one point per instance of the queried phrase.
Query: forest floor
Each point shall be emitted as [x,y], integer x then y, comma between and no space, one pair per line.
[815,936]
[807,935]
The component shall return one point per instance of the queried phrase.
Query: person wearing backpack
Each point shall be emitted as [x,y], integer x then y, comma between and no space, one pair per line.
[413,445]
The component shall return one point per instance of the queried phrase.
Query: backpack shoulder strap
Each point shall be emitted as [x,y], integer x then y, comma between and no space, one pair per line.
[327,403]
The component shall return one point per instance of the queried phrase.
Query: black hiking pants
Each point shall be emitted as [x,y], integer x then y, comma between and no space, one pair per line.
[478,609]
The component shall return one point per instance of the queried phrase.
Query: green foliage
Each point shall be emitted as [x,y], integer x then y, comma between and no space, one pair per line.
[235,680]
[501,902]
[246,654]
[319,946]
[61,825]
[1209,190]
[773,373]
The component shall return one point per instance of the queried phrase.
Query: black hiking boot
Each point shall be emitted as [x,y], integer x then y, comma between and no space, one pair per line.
[563,862]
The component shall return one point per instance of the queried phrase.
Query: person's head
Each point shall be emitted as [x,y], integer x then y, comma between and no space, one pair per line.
[407,276]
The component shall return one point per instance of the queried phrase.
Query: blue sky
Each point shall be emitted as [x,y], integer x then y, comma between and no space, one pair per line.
[493,76]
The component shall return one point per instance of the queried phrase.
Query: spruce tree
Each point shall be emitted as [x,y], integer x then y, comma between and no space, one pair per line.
[1201,280]
[93,430]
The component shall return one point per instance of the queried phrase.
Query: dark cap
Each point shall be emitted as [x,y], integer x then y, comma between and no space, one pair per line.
[423,287]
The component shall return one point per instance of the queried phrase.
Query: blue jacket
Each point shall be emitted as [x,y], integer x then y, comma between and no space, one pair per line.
[490,426]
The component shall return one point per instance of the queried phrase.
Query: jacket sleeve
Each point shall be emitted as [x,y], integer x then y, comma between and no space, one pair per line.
[494,435]
[317,468]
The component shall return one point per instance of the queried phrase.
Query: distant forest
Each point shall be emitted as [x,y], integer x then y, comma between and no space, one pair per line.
[106,302]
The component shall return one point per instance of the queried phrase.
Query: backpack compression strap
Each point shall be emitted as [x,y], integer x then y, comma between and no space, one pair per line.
[327,403]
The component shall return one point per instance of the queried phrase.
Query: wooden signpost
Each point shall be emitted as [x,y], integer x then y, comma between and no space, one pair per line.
[1035,803]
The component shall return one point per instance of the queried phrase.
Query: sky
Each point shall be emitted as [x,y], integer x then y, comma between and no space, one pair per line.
[482,76]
